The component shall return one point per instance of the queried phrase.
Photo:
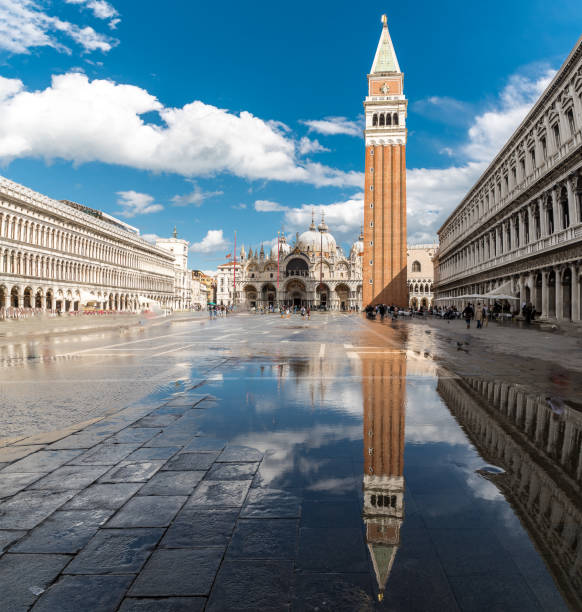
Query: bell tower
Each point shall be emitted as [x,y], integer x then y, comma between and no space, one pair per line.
[384,260]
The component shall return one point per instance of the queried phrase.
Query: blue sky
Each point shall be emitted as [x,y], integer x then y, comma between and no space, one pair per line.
[217,117]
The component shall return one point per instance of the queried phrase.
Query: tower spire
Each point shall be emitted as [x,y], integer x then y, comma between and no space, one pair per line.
[385,59]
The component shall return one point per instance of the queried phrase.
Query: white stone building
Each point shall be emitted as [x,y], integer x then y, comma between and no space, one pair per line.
[178,248]
[518,231]
[314,272]
[420,274]
[61,256]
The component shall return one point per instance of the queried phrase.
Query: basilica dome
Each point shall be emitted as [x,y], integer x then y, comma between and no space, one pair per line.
[358,246]
[315,240]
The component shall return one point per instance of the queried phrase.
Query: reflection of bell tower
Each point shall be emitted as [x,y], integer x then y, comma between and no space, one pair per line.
[384,412]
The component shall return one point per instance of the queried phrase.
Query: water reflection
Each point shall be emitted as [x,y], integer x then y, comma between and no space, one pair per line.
[538,445]
[384,392]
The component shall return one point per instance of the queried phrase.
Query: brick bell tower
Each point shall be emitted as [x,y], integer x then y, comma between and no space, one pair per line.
[384,259]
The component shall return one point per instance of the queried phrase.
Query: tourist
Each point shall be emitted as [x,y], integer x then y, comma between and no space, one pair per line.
[468,314]
[528,313]
[479,315]
[485,315]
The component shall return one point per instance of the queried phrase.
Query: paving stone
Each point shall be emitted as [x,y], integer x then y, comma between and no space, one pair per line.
[163,604]
[84,594]
[66,531]
[115,551]
[271,503]
[148,511]
[185,571]
[172,438]
[105,454]
[252,585]
[204,445]
[139,471]
[70,477]
[172,483]
[232,471]
[186,400]
[240,454]
[332,550]
[156,420]
[29,508]
[191,461]
[24,577]
[3,465]
[133,434]
[153,453]
[103,496]
[83,439]
[264,539]
[175,410]
[194,527]
[42,461]
[13,483]
[8,537]
[13,453]
[220,493]
[315,591]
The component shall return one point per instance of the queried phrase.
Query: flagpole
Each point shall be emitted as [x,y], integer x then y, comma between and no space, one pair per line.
[234,272]
[278,251]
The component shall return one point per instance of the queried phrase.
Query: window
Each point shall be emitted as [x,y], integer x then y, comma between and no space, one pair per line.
[372,151]
[370,281]
[395,120]
[371,204]
[532,158]
[571,123]
[371,262]
[372,169]
[382,119]
[371,224]
[514,177]
[557,140]
[544,148]
[416,266]
[371,187]
[522,168]
[371,243]
[388,119]
[374,120]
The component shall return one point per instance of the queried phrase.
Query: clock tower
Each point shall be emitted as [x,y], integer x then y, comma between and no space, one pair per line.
[384,259]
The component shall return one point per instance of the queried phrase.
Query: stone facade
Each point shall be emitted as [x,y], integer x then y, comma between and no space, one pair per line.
[61,256]
[182,276]
[519,229]
[420,274]
[314,272]
[384,265]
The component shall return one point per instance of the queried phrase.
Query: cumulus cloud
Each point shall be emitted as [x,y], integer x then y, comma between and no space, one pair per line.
[25,25]
[100,9]
[151,238]
[196,197]
[268,206]
[82,121]
[213,242]
[332,126]
[307,146]
[240,206]
[134,203]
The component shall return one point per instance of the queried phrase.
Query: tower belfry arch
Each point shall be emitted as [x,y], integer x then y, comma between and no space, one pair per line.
[384,265]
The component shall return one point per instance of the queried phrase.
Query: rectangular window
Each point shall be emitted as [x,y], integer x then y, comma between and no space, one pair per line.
[371,151]
[544,148]
[514,176]
[571,123]
[557,140]
[522,168]
[532,158]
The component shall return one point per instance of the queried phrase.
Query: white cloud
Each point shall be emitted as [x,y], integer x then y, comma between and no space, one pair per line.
[332,126]
[82,121]
[100,9]
[150,238]
[134,203]
[307,146]
[196,197]
[211,273]
[24,25]
[268,206]
[213,242]
[240,206]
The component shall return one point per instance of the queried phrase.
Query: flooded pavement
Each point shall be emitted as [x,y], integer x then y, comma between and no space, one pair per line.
[308,465]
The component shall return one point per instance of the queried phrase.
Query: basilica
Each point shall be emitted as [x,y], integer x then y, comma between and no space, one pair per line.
[312,272]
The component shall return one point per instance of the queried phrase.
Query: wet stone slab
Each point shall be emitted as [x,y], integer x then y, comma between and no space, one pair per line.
[191,461]
[252,585]
[42,461]
[24,577]
[172,483]
[163,604]
[204,445]
[69,477]
[315,591]
[84,593]
[106,454]
[195,527]
[177,437]
[64,532]
[271,503]
[133,435]
[156,421]
[13,453]
[9,537]
[178,572]
[29,508]
[222,493]
[11,484]
[116,551]
[239,454]
[80,440]
[103,496]
[264,539]
[148,511]
[349,552]
[139,471]
[232,471]
[153,453]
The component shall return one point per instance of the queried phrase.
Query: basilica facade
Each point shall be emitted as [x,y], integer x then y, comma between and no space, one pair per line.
[313,272]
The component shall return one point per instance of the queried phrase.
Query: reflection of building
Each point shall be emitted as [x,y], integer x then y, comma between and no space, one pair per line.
[518,230]
[420,273]
[312,272]
[182,289]
[384,392]
[540,448]
[61,256]
[384,266]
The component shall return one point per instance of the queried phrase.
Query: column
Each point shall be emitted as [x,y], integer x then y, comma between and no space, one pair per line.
[556,210]
[559,295]
[521,215]
[572,208]
[521,291]
[545,292]
[575,293]
[543,217]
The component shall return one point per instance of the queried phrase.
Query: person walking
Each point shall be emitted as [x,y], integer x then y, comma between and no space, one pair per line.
[479,315]
[468,314]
